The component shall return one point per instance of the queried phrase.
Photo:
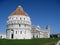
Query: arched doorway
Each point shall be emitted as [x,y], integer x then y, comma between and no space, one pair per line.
[12,36]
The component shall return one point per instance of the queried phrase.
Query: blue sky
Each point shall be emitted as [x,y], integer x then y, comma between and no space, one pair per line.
[41,12]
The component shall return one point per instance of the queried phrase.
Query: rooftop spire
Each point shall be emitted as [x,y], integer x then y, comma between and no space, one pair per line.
[47,27]
[19,6]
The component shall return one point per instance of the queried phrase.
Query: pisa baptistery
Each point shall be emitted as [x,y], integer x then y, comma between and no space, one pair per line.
[18,25]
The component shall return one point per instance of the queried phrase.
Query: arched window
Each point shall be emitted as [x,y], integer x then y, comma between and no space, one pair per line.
[11,29]
[16,32]
[19,25]
[20,18]
[20,32]
[25,25]
[24,18]
[16,17]
[12,18]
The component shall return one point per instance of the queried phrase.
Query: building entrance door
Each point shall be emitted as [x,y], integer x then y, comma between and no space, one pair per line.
[12,36]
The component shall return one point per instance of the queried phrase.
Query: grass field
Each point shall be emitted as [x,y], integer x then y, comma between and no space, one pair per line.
[42,41]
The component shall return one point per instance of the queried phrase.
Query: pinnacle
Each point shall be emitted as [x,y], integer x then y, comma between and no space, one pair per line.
[19,6]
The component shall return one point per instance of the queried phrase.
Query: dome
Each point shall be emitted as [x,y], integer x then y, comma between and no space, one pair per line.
[19,11]
[39,27]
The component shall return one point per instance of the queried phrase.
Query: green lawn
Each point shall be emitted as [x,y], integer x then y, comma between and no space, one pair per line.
[42,41]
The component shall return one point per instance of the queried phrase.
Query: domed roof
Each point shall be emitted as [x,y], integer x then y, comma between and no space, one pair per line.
[19,11]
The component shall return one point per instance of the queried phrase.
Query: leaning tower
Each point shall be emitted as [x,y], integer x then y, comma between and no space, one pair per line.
[18,25]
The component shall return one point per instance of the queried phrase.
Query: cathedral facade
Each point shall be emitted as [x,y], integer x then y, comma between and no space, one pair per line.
[19,27]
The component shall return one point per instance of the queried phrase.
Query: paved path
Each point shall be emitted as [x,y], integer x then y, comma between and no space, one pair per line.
[58,43]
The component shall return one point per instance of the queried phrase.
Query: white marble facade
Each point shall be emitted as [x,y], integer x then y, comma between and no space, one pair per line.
[19,27]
